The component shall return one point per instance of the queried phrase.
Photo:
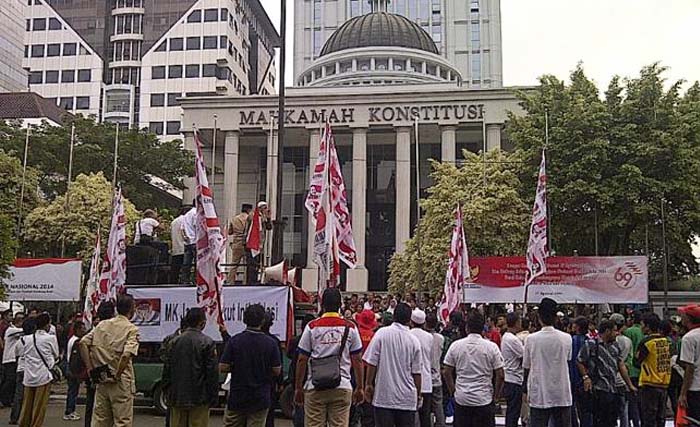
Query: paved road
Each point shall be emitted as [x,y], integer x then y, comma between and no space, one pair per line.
[143,417]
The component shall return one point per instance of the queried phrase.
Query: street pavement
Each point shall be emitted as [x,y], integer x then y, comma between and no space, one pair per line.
[143,417]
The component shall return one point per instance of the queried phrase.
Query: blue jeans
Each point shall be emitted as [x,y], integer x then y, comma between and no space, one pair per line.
[73,389]
[634,408]
[514,401]
[18,398]
[187,263]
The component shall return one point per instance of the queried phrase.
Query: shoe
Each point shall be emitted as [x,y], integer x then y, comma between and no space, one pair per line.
[71,417]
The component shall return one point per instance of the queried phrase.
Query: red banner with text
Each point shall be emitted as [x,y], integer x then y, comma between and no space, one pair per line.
[592,280]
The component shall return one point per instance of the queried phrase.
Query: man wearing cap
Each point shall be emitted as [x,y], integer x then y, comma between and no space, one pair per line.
[690,360]
[546,371]
[237,235]
[366,324]
[426,348]
[625,345]
[477,365]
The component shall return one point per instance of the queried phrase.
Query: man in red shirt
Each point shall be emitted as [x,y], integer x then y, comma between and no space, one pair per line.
[493,334]
[367,323]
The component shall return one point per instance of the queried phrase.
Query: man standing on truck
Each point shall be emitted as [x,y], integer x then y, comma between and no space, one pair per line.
[190,374]
[108,351]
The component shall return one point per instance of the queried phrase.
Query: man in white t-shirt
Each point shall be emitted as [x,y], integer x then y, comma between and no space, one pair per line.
[189,236]
[546,371]
[146,228]
[9,362]
[477,365]
[512,348]
[73,382]
[690,360]
[426,349]
[324,338]
[437,408]
[394,367]
[177,251]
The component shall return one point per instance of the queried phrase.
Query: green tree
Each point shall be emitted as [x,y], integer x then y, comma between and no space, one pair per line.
[495,219]
[11,189]
[141,155]
[8,246]
[90,207]
[613,159]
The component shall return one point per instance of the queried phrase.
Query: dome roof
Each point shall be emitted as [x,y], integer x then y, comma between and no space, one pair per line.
[379,29]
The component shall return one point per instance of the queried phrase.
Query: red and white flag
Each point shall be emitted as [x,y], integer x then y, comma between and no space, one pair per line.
[458,272]
[210,242]
[113,277]
[253,241]
[91,289]
[537,246]
[327,203]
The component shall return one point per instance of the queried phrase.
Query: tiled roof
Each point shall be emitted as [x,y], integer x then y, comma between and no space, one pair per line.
[28,105]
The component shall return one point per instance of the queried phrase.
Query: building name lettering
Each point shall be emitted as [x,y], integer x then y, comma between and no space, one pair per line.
[389,114]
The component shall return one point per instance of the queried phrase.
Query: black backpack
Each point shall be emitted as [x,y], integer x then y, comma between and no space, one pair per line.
[77,368]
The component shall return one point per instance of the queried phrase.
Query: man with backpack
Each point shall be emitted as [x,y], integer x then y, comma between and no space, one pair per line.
[76,371]
[599,362]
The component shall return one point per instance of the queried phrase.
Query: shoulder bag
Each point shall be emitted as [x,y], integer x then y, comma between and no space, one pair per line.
[55,371]
[325,371]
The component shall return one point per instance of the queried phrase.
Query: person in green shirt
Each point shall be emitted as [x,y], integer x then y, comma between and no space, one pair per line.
[635,334]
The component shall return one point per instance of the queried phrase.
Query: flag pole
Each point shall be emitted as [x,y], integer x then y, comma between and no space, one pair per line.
[70,177]
[213,155]
[279,224]
[549,217]
[24,175]
[116,157]
[418,239]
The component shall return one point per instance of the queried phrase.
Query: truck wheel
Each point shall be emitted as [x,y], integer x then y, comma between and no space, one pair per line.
[287,401]
[159,400]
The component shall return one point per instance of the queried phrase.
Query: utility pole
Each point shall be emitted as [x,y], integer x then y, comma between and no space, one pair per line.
[279,223]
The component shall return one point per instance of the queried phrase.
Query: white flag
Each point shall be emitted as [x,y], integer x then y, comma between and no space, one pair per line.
[458,272]
[91,289]
[537,245]
[113,277]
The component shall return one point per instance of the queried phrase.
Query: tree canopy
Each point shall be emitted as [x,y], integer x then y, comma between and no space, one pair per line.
[141,156]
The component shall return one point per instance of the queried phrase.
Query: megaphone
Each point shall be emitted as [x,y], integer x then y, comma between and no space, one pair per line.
[276,273]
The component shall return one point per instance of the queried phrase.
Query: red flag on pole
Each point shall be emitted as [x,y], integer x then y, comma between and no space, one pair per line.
[254,239]
[210,242]
[537,246]
[458,272]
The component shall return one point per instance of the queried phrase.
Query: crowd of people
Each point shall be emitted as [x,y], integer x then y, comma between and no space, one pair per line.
[371,361]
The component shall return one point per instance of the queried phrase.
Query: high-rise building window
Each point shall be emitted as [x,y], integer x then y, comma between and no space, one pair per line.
[175,71]
[36,77]
[210,42]
[317,12]
[84,75]
[156,128]
[223,73]
[176,43]
[424,13]
[37,51]
[55,24]
[209,70]
[82,103]
[475,35]
[193,43]
[66,103]
[53,49]
[28,25]
[355,8]
[474,6]
[476,66]
[161,47]
[173,127]
[195,16]
[157,100]
[69,49]
[211,15]
[68,76]
[51,76]
[224,14]
[223,41]
[83,50]
[158,72]
[317,42]
[39,24]
[173,99]
[192,71]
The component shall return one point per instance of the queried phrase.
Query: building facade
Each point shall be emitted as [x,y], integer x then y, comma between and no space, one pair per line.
[467,33]
[128,61]
[13,78]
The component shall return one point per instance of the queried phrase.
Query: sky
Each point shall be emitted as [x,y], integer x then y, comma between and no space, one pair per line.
[610,37]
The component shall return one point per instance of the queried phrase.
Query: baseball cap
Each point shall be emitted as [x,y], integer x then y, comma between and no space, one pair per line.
[617,319]
[418,316]
[262,204]
[692,311]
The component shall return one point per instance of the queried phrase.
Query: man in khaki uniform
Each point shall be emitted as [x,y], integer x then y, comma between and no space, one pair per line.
[107,351]
[237,229]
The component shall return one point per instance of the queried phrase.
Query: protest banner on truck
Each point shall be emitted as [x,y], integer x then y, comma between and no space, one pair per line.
[160,309]
[570,280]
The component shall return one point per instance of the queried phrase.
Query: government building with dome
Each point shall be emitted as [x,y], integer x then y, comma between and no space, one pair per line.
[383,73]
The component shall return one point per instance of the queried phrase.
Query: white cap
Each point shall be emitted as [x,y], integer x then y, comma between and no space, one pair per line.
[560,314]
[262,204]
[418,316]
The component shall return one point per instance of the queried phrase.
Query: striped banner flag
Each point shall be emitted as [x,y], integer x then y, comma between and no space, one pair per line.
[91,290]
[458,272]
[537,246]
[113,277]
[210,242]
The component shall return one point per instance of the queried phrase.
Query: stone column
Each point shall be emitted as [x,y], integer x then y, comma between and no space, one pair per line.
[449,144]
[493,137]
[358,278]
[231,150]
[271,190]
[309,278]
[403,187]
